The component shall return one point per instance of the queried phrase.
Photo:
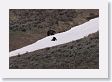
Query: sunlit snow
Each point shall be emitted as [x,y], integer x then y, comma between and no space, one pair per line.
[73,34]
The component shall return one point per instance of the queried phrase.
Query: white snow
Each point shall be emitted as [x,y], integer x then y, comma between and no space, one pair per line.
[73,34]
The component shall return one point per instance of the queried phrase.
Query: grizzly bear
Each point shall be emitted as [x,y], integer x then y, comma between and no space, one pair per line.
[51,32]
[54,39]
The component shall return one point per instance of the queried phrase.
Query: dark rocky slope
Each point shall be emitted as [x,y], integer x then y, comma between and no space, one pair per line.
[29,25]
[79,54]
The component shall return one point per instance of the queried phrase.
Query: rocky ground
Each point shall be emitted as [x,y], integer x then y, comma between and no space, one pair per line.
[30,25]
[79,54]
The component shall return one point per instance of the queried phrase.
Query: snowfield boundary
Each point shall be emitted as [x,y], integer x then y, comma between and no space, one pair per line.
[73,34]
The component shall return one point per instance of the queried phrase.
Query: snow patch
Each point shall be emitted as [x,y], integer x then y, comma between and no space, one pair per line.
[73,34]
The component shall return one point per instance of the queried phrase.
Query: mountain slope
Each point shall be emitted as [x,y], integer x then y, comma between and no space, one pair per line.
[79,54]
[29,25]
[62,38]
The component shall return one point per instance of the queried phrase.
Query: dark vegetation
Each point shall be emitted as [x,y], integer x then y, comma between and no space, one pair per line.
[29,25]
[79,54]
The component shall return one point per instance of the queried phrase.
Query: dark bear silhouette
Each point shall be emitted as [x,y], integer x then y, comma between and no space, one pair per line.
[53,39]
[50,32]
